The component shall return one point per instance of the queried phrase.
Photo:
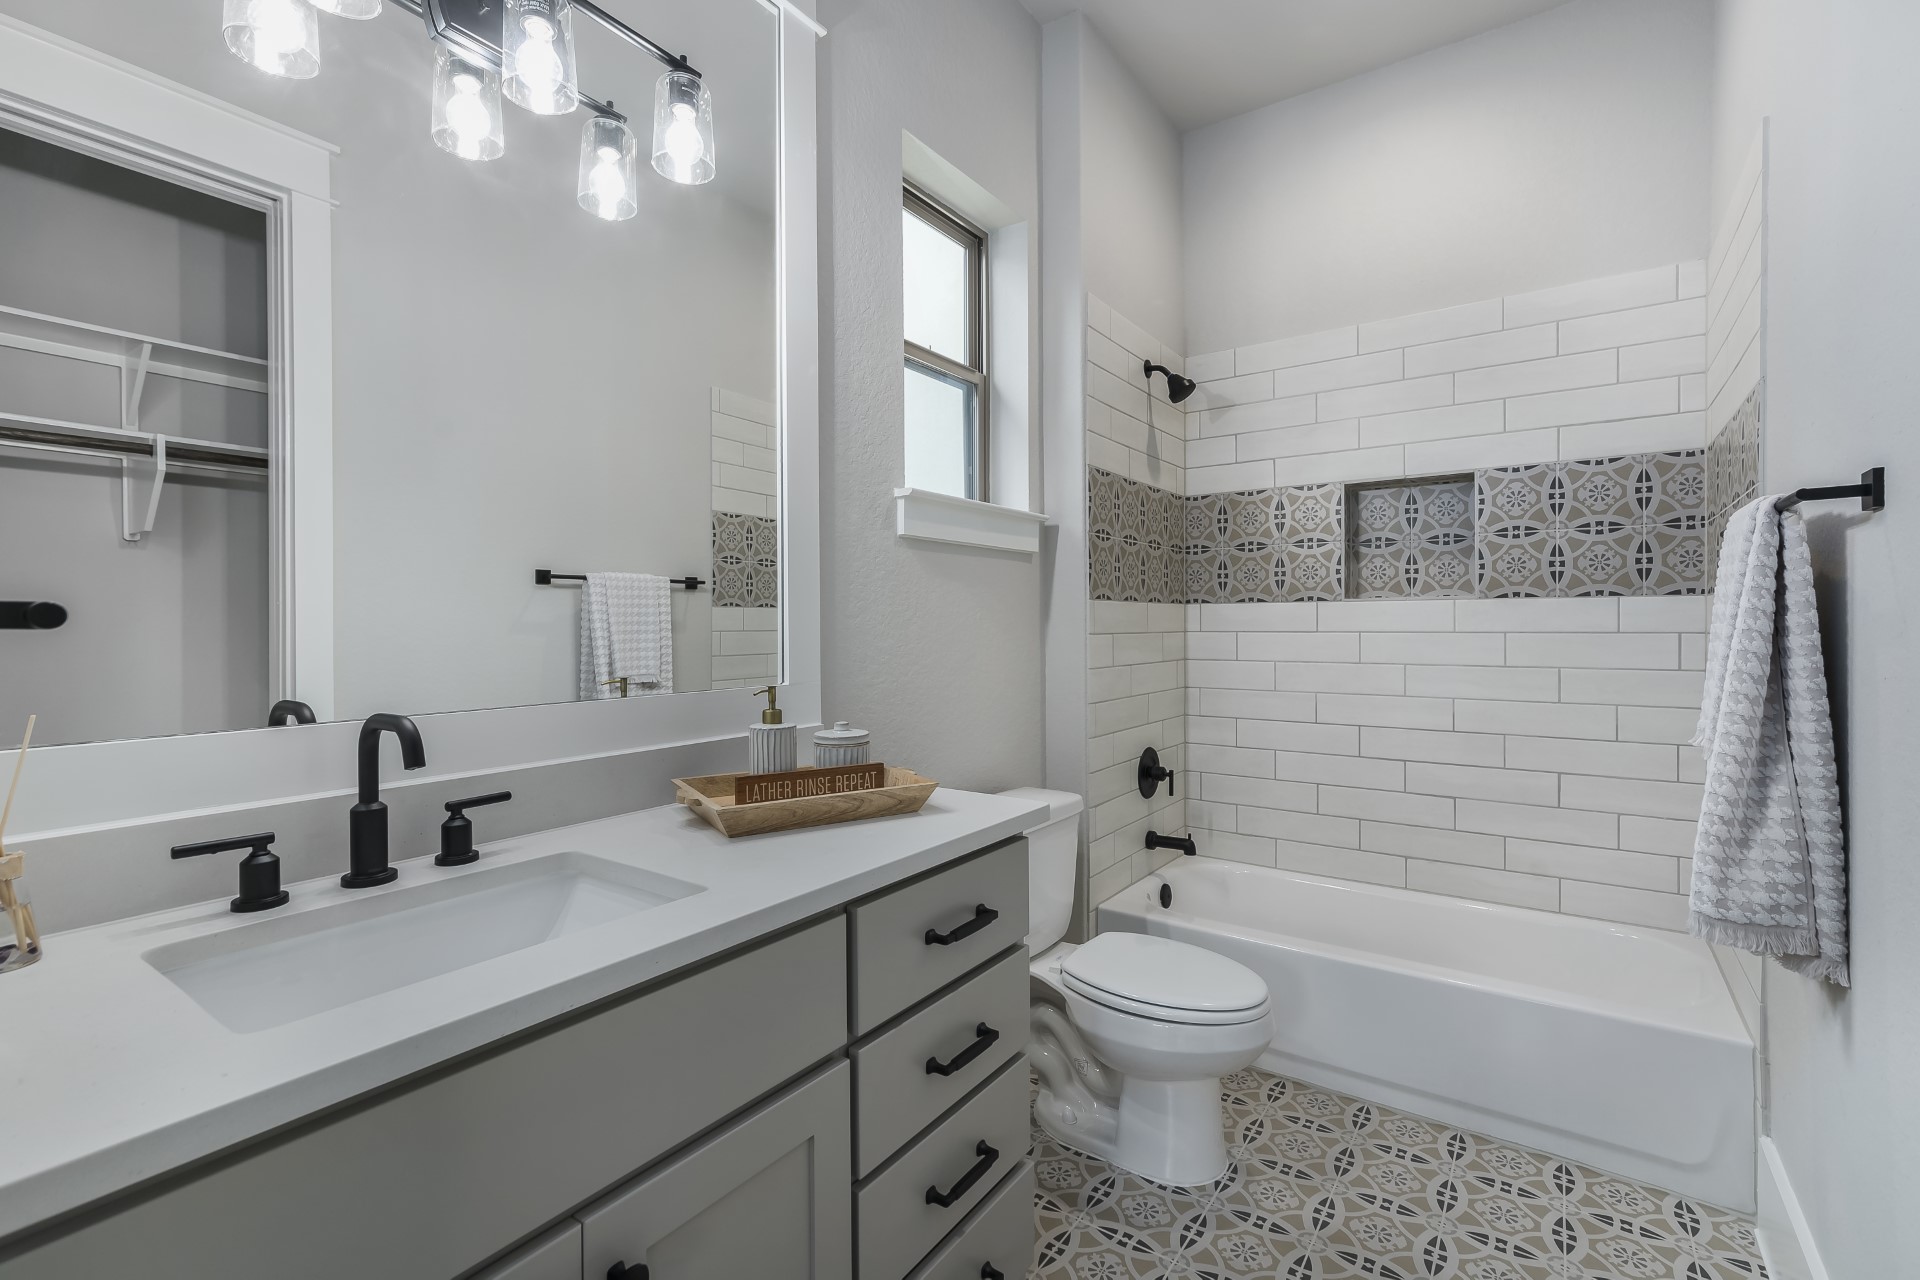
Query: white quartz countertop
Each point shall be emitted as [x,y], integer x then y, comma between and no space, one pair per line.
[111,1075]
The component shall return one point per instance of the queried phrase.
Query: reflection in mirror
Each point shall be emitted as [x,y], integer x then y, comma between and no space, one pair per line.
[553,348]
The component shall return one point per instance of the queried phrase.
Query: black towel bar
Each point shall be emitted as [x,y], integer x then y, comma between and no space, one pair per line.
[1872,492]
[547,577]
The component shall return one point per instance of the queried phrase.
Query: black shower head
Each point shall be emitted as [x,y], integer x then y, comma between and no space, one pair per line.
[1178,387]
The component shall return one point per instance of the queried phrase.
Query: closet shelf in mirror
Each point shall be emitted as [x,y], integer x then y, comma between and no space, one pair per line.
[24,431]
[122,349]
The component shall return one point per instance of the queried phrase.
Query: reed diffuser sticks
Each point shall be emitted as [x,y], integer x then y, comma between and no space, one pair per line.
[13,898]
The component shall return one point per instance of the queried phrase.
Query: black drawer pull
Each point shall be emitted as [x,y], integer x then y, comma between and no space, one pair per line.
[984,1036]
[990,1272]
[621,1271]
[983,915]
[945,1199]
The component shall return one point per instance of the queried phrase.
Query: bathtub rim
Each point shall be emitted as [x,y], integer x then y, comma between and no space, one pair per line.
[1719,1008]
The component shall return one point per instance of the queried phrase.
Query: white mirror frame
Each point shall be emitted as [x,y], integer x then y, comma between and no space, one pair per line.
[61,89]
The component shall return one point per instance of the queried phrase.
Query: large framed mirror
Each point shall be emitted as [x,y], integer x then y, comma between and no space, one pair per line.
[545,464]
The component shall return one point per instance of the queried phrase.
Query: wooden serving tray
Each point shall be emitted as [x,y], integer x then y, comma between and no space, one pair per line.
[712,798]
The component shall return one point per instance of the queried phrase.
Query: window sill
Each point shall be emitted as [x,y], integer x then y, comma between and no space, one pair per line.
[941,517]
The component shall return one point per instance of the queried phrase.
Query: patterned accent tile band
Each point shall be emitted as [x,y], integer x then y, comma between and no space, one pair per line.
[1733,469]
[746,561]
[1632,526]
[1635,525]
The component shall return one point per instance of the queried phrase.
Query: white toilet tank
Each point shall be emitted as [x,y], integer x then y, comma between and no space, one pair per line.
[1053,858]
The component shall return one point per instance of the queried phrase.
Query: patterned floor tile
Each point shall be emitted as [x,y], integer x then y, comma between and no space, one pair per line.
[1324,1187]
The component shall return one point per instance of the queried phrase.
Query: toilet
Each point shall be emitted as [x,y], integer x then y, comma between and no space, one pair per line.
[1131,1033]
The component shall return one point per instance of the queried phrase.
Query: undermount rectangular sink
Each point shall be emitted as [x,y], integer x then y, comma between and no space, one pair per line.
[282,970]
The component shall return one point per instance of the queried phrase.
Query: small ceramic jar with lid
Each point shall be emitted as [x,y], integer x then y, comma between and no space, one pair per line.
[841,745]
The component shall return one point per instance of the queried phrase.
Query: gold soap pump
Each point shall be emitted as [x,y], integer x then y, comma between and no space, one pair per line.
[772,745]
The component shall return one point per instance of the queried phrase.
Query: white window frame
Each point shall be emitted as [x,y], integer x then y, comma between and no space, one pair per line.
[974,370]
[57,85]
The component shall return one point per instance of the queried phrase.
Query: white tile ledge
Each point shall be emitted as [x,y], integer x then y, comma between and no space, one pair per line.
[941,517]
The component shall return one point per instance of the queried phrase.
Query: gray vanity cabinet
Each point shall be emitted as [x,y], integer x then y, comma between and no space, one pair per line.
[702,1128]
[554,1256]
[771,1197]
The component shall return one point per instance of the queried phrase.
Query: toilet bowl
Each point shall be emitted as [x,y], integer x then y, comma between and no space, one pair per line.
[1132,1032]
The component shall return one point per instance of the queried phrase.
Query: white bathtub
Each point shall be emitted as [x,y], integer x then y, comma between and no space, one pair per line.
[1615,1046]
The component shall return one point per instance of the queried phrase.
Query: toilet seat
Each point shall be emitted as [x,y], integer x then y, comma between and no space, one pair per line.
[1164,980]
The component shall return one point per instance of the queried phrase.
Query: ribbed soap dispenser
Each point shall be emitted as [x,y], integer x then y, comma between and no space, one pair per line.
[772,746]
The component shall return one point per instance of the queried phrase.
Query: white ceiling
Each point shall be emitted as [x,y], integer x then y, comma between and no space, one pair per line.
[1206,60]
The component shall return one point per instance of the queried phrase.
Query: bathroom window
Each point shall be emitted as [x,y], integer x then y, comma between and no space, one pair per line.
[944,277]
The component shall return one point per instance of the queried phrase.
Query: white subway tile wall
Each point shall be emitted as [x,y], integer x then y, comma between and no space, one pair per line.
[1532,751]
[1133,430]
[1735,296]
[1137,698]
[746,482]
[1529,752]
[1137,655]
[1595,369]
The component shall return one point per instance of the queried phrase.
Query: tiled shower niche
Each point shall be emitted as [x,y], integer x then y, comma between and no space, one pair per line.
[1634,525]
[1411,539]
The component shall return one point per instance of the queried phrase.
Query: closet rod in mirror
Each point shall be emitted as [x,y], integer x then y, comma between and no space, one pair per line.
[80,438]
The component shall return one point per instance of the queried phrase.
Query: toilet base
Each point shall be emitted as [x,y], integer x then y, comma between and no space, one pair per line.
[1166,1131]
[1171,1131]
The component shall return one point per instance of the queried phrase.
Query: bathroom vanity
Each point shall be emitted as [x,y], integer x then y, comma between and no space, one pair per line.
[792,1056]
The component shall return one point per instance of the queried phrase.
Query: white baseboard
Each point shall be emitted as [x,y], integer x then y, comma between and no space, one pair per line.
[1785,1242]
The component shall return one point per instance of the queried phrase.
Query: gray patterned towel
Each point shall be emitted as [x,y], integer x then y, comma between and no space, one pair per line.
[1769,864]
[626,630]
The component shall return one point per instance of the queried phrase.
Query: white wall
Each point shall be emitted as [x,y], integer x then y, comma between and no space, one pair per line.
[1130,190]
[934,648]
[1836,81]
[1564,147]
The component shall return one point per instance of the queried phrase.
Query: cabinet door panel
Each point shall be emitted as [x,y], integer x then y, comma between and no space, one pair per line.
[770,1197]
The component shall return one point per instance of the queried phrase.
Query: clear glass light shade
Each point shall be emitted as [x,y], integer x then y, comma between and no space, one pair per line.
[349,8]
[538,70]
[281,37]
[683,129]
[609,170]
[467,115]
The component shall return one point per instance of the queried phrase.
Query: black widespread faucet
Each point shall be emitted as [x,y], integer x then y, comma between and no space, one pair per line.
[368,832]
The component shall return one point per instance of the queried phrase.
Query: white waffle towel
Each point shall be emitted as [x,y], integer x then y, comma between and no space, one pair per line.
[1769,863]
[626,630]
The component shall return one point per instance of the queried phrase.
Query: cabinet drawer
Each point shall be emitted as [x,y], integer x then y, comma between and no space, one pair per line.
[909,943]
[554,1256]
[898,1089]
[995,1240]
[769,1197]
[960,1161]
[439,1175]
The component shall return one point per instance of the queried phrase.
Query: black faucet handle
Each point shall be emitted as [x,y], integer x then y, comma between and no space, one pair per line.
[456,833]
[259,871]
[290,711]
